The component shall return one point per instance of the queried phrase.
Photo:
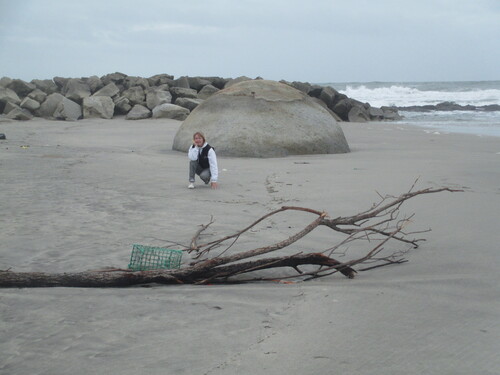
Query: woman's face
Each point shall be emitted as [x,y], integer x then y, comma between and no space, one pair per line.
[198,141]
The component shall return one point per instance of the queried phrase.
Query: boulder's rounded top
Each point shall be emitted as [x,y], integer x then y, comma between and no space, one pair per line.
[263,89]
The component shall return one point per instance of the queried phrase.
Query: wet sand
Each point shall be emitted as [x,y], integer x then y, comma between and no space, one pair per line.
[77,195]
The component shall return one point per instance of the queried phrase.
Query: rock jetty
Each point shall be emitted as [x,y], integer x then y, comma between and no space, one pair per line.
[159,96]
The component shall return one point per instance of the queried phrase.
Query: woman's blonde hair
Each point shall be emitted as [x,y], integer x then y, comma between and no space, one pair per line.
[200,134]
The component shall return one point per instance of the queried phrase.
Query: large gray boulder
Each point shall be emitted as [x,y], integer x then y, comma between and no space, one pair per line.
[19,114]
[207,91]
[138,112]
[5,81]
[94,83]
[344,106]
[172,111]
[8,96]
[117,78]
[358,114]
[59,107]
[76,90]
[188,103]
[181,82]
[198,83]
[122,105]
[110,90]
[182,92]
[37,95]
[10,107]
[98,106]
[156,96]
[160,79]
[49,106]
[20,87]
[60,82]
[29,104]
[260,118]
[136,81]
[135,95]
[48,86]
[305,87]
[68,110]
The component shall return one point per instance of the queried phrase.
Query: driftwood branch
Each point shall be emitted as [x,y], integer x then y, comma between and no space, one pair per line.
[377,226]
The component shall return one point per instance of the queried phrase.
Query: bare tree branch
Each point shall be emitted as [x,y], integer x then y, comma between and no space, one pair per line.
[375,228]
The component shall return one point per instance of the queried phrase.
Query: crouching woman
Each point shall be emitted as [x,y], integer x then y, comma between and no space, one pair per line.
[202,162]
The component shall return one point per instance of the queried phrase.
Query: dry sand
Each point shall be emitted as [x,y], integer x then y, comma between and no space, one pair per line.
[76,196]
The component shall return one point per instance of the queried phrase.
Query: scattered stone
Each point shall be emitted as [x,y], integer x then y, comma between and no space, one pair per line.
[138,112]
[110,90]
[259,118]
[172,111]
[29,104]
[98,106]
[20,87]
[207,91]
[188,103]
[37,95]
[2,136]
[135,95]
[155,97]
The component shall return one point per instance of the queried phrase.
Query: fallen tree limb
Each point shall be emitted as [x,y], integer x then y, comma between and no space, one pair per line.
[377,225]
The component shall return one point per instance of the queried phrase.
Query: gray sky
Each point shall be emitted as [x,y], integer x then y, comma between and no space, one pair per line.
[306,40]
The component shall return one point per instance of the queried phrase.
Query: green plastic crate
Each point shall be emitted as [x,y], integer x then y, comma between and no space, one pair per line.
[145,258]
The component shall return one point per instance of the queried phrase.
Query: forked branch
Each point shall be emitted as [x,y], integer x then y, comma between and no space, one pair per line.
[374,228]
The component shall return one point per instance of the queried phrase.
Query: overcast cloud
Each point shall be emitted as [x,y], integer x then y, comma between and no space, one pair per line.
[315,40]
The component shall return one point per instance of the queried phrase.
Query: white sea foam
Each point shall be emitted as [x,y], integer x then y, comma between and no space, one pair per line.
[402,96]
[405,94]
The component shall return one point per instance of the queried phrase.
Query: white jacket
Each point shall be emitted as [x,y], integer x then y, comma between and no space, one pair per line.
[212,160]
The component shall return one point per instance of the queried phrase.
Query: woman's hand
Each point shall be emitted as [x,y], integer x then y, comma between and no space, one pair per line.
[214,185]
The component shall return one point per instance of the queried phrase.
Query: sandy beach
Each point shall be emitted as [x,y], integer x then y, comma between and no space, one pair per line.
[77,195]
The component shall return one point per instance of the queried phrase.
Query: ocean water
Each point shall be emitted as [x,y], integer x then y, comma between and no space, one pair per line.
[404,94]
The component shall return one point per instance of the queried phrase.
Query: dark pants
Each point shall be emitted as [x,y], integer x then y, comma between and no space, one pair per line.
[194,168]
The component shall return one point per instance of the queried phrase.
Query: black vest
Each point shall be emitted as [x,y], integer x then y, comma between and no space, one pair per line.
[203,157]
